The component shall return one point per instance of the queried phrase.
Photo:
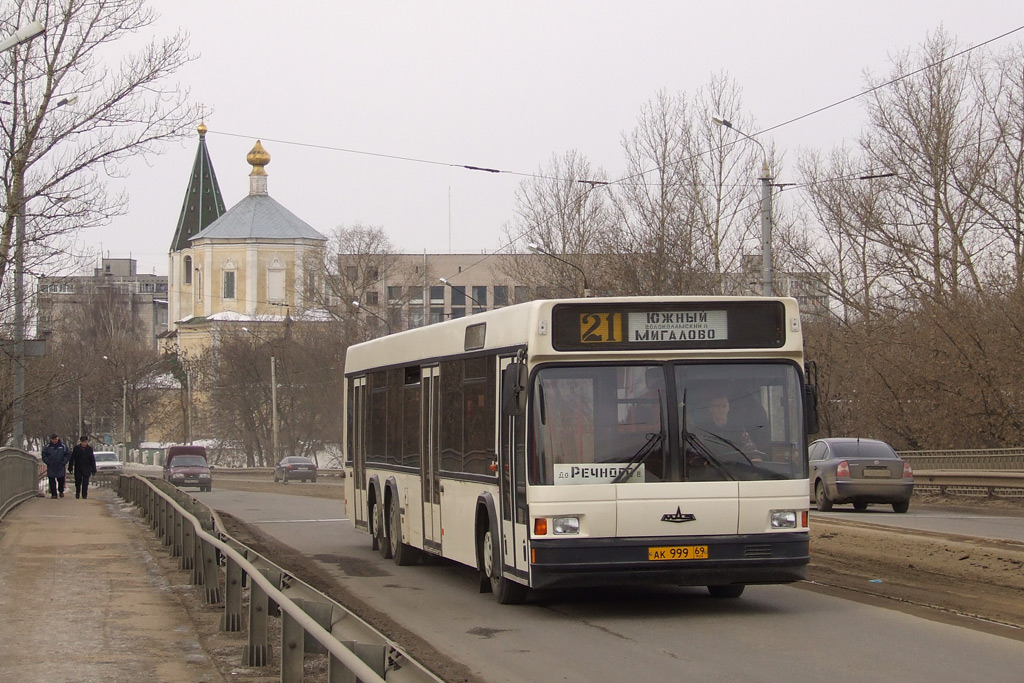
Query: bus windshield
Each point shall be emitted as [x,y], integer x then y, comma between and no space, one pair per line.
[623,424]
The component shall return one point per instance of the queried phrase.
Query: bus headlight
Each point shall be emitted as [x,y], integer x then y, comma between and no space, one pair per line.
[565,525]
[782,519]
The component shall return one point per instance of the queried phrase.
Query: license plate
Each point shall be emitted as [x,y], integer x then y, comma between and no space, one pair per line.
[678,552]
[876,473]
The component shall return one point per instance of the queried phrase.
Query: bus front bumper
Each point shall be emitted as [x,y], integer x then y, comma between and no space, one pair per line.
[740,559]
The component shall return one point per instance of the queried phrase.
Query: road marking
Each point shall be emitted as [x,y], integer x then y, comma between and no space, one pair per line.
[298,521]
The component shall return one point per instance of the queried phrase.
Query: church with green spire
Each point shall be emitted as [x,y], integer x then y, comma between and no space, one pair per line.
[245,264]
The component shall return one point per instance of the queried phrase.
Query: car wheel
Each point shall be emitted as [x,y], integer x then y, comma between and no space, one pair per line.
[821,496]
[380,532]
[401,553]
[275,478]
[860,506]
[313,479]
[733,590]
[284,477]
[506,591]
[901,507]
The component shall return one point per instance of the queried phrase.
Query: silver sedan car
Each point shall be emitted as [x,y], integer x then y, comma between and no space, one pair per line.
[858,471]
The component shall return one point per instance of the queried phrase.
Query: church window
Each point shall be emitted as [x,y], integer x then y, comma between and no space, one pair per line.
[188,270]
[228,291]
[275,283]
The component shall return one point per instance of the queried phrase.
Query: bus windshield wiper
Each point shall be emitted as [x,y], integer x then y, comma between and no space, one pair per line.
[694,442]
[721,439]
[634,462]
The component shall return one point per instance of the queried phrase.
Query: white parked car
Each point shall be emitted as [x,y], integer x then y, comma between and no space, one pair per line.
[107,463]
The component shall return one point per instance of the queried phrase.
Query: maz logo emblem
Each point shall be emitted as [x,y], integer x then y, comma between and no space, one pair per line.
[678,517]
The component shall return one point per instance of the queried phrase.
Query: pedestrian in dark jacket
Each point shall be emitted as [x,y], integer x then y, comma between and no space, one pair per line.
[56,457]
[83,466]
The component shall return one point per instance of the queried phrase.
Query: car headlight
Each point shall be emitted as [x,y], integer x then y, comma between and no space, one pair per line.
[204,476]
[782,519]
[561,526]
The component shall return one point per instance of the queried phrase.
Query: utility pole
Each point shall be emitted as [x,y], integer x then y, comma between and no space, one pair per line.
[766,229]
[19,319]
[124,416]
[273,404]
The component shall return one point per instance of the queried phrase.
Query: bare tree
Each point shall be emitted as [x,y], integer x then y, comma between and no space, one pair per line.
[101,351]
[71,117]
[565,210]
[687,205]
[925,130]
[998,177]
[356,262]
[305,359]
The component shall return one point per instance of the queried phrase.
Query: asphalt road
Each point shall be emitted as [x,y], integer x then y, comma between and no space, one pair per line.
[1004,525]
[772,633]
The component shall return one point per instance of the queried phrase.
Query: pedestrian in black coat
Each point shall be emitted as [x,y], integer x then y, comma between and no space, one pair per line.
[83,466]
[56,456]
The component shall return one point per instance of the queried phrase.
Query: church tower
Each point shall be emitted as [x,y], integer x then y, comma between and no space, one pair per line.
[202,206]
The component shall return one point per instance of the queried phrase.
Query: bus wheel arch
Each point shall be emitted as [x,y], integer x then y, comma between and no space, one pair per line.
[492,578]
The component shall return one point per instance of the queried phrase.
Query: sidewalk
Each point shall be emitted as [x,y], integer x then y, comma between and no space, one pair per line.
[82,598]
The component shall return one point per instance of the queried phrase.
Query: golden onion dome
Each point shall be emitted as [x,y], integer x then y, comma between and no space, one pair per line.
[258,158]
[202,128]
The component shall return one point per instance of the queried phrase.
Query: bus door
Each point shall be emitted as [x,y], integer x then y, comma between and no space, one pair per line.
[512,483]
[357,445]
[430,463]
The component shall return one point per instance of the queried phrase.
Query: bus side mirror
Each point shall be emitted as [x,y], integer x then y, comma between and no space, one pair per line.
[811,408]
[513,389]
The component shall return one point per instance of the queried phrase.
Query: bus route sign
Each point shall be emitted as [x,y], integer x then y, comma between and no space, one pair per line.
[680,325]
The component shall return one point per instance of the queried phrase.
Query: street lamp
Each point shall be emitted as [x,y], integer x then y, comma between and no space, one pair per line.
[463,290]
[766,208]
[364,308]
[537,249]
[22,35]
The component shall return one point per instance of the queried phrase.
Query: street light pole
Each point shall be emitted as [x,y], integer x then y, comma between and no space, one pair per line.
[464,292]
[536,248]
[766,208]
[23,34]
[360,307]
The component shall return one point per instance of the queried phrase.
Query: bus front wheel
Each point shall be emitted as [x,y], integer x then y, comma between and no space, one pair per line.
[506,591]
[733,590]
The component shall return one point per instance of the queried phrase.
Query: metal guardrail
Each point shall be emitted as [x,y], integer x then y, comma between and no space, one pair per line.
[966,459]
[992,484]
[311,623]
[268,472]
[19,478]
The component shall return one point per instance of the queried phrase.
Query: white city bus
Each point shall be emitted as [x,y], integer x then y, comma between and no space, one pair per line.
[588,441]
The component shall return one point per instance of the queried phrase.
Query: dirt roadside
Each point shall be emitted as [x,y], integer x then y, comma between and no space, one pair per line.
[975,583]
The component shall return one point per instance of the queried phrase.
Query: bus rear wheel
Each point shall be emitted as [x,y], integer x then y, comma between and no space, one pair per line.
[380,535]
[506,591]
[402,553]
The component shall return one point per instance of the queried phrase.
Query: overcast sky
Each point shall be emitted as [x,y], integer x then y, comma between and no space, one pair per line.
[498,86]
